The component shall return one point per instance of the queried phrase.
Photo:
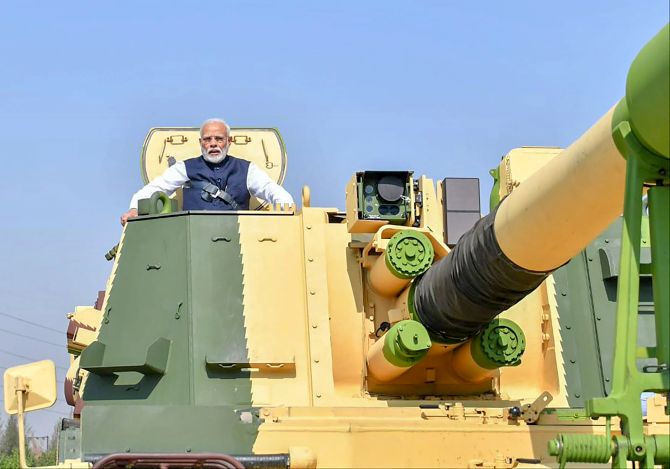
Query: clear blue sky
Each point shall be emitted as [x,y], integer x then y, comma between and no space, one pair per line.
[442,88]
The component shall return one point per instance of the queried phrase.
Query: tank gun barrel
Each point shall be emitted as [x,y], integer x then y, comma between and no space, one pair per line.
[552,216]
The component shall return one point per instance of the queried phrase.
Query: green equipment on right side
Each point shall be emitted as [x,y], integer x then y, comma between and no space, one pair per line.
[640,129]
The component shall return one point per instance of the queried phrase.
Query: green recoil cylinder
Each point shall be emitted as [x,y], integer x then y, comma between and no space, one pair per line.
[403,346]
[501,343]
[408,254]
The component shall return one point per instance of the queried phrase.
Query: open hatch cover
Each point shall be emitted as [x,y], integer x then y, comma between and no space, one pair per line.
[166,145]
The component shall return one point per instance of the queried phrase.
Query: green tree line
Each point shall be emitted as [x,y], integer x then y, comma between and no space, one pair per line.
[9,447]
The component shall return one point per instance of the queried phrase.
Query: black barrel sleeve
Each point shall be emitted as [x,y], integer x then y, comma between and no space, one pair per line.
[465,290]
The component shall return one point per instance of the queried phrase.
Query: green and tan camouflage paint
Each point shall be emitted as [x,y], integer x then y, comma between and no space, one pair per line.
[178,278]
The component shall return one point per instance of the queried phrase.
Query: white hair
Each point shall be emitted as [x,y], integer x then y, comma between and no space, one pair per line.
[215,121]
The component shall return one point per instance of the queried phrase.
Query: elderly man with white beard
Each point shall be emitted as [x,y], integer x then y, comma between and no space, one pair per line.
[213,180]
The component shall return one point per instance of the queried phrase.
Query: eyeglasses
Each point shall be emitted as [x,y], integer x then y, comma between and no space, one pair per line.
[217,139]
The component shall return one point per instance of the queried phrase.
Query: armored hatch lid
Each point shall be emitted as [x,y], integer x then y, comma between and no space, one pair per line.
[164,146]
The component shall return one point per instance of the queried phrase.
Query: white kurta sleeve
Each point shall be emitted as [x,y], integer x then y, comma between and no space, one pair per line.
[172,179]
[260,185]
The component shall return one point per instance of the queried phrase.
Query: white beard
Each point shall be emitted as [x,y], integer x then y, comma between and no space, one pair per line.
[215,159]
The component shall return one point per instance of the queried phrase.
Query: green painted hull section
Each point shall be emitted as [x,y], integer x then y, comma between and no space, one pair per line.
[586,292]
[69,443]
[168,429]
[179,281]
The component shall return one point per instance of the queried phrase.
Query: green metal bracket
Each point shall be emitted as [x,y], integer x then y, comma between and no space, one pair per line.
[627,382]
[494,198]
[641,133]
[642,168]
[571,415]
[659,226]
[94,360]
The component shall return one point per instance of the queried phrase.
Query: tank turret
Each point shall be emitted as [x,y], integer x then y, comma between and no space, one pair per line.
[302,337]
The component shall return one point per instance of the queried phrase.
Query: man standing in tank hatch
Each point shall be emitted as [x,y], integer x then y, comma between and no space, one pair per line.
[214,180]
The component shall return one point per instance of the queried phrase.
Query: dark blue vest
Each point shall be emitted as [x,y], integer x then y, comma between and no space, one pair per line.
[229,175]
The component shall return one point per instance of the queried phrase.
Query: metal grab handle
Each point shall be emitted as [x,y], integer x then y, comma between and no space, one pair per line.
[95,359]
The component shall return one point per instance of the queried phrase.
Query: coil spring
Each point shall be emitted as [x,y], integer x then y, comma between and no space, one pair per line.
[585,448]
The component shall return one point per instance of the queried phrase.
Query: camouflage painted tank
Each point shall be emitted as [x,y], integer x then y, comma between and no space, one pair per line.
[404,331]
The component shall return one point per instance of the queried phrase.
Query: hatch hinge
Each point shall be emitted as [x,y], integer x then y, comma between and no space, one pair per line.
[530,413]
